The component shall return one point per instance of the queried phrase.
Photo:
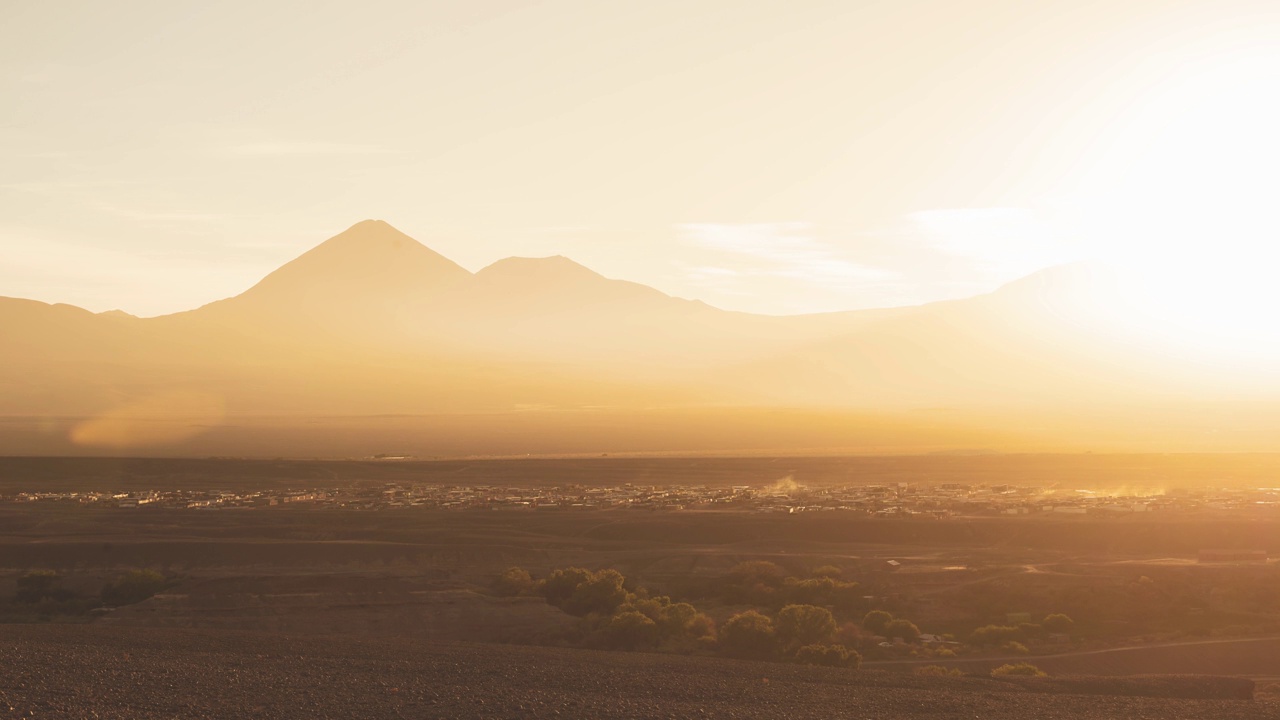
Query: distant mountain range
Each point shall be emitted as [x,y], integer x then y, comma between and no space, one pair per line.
[373,323]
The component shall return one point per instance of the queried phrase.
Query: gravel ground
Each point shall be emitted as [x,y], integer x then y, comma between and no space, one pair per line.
[53,671]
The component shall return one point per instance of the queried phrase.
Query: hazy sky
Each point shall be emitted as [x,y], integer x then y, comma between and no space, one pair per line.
[774,157]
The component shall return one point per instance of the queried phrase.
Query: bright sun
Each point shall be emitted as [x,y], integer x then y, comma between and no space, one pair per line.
[1183,200]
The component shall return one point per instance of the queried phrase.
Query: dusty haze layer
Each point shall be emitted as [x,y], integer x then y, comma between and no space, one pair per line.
[373,343]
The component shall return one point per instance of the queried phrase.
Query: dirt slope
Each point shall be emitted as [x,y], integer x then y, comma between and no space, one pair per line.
[90,671]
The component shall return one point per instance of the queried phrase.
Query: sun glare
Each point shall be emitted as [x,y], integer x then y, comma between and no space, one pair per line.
[1181,202]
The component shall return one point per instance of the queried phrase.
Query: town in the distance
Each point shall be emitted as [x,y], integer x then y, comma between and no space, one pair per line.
[925,501]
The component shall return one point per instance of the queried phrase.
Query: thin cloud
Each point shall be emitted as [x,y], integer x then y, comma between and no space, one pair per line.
[939,254]
[772,268]
[784,250]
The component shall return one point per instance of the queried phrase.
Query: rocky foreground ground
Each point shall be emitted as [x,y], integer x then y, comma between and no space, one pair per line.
[90,671]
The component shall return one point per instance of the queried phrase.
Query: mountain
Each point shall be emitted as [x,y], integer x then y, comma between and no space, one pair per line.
[1042,340]
[543,354]
[369,277]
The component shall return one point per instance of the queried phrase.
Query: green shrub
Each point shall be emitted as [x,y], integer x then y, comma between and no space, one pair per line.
[748,635]
[1031,630]
[799,625]
[844,597]
[938,671]
[876,620]
[1018,670]
[904,629]
[561,584]
[995,635]
[630,630]
[1058,623]
[828,655]
[678,626]
[580,592]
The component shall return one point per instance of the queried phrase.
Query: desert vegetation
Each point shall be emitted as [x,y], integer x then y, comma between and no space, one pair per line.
[41,595]
[937,671]
[1012,637]
[1018,670]
[688,588]
[757,610]
[754,611]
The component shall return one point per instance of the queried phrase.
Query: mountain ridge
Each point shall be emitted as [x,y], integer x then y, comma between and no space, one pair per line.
[371,322]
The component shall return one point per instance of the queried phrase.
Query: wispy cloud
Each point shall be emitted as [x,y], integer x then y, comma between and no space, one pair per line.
[785,250]
[772,267]
[933,255]
[563,229]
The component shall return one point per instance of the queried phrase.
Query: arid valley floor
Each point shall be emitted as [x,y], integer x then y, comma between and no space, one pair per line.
[293,606]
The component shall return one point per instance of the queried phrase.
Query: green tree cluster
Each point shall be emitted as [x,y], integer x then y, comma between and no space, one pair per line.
[879,622]
[801,633]
[644,622]
[617,618]
[582,592]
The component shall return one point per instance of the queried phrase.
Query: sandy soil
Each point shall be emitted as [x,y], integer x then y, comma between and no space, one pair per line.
[50,671]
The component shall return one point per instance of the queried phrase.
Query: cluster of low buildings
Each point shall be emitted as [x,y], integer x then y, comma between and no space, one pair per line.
[914,500]
[952,499]
[171,499]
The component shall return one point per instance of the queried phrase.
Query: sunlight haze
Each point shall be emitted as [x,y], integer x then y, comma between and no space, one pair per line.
[774,157]
[625,360]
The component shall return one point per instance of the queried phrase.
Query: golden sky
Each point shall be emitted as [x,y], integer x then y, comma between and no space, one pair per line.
[772,157]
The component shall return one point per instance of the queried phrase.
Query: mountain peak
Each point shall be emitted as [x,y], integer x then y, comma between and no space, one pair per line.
[543,268]
[367,251]
[369,262]
[369,235]
[543,284]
